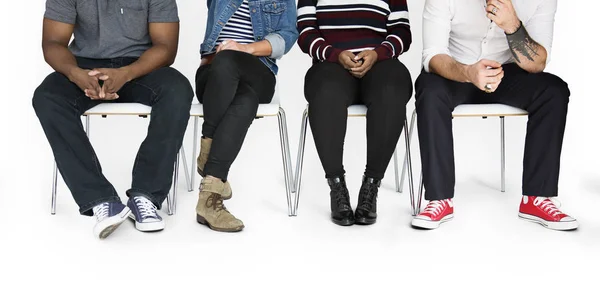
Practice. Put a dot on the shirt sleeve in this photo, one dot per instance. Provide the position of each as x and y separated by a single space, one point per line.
399 36
310 39
437 22
64 11
163 11
541 26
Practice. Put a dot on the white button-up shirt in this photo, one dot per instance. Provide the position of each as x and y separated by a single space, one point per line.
460 29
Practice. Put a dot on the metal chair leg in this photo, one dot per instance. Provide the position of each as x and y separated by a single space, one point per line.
420 196
502 156
285 155
300 159
409 163
186 169
194 153
87 126
172 204
54 183
405 162
396 175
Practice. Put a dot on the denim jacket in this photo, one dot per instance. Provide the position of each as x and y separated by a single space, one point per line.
272 20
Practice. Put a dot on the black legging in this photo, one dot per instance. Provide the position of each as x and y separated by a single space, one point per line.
330 90
231 88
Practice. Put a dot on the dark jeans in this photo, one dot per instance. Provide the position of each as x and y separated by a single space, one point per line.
231 88
544 96
330 90
59 105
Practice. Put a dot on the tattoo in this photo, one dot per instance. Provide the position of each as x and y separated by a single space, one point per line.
520 42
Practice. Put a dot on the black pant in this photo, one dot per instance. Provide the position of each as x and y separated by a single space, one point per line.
330 90
231 88
59 105
544 96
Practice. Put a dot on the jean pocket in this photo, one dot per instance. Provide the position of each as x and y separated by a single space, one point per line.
133 18
273 12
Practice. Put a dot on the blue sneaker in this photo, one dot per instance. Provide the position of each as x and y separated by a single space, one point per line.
144 214
109 216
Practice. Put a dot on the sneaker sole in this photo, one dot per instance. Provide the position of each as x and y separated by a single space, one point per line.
430 224
561 226
148 226
203 221
109 225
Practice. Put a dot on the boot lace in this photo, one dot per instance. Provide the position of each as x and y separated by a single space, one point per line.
368 199
215 201
342 198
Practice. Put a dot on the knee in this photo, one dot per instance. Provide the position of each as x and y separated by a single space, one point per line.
430 92
44 98
175 87
556 88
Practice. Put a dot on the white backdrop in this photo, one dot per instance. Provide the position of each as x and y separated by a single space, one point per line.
484 246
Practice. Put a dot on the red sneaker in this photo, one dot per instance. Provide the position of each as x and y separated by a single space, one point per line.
543 210
436 212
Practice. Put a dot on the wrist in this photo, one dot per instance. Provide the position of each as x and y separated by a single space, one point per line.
72 71
466 71
514 28
250 49
128 73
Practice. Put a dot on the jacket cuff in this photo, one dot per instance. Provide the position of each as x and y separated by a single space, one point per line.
277 45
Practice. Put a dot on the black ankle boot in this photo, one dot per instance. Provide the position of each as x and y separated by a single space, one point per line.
366 211
341 211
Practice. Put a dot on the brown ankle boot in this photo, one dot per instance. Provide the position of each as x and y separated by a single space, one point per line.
205 144
210 209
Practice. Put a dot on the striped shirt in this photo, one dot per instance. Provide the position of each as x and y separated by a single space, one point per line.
328 27
238 28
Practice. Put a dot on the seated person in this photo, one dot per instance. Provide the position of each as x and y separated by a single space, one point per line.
121 53
236 74
492 51
354 47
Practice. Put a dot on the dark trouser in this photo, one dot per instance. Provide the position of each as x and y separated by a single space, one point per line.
59 105
330 90
231 88
543 95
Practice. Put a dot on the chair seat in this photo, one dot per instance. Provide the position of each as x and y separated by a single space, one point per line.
357 111
487 110
264 110
124 109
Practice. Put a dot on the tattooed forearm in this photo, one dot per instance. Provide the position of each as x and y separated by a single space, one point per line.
521 43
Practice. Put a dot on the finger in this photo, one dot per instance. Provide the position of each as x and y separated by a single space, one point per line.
94 73
492 17
490 63
492 72
349 63
360 55
103 77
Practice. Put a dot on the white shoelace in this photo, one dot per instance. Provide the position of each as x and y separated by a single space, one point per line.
549 206
146 207
101 211
435 207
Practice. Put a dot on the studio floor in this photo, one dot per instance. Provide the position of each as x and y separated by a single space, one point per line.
485 245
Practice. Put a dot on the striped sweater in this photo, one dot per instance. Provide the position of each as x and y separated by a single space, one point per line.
328 27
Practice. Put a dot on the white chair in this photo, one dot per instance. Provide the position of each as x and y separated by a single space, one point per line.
475 110
126 109
264 110
353 111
